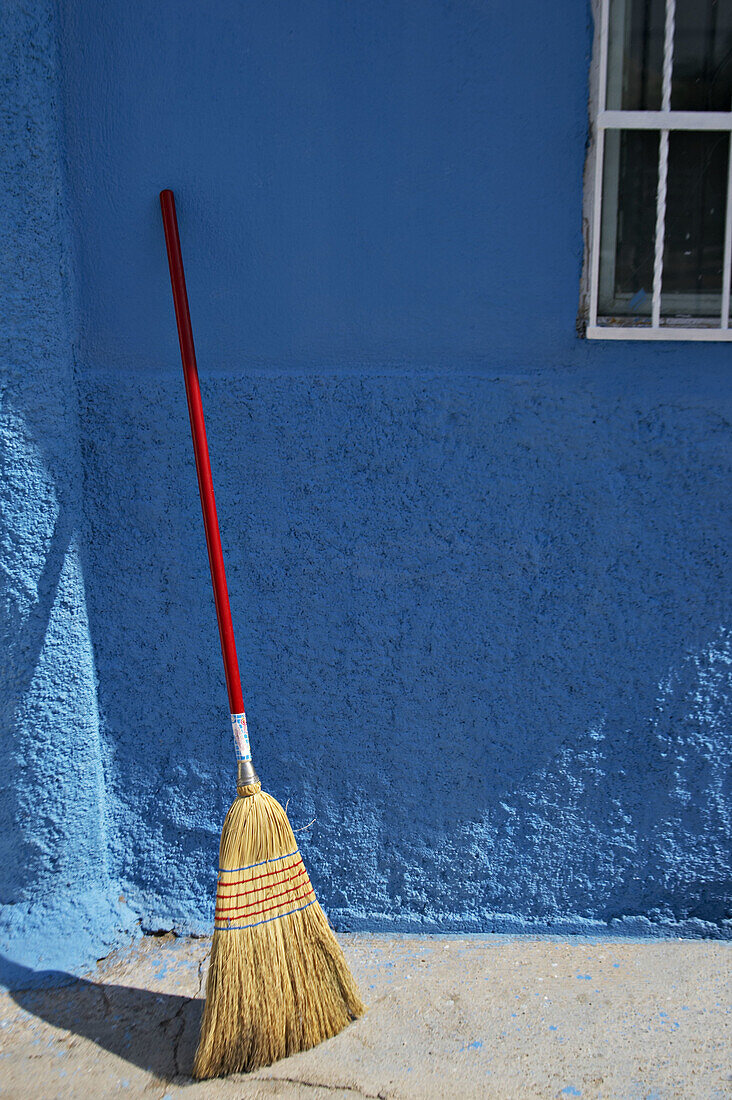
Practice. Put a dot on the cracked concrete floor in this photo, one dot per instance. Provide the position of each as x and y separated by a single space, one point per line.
452 1016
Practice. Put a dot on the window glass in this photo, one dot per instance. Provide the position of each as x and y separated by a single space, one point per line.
696 201
628 223
702 72
635 55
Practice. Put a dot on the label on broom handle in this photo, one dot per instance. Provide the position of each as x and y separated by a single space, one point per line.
241 736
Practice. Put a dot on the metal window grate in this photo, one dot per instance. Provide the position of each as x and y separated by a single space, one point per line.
664 121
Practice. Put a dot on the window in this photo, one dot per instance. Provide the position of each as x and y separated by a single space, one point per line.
659 186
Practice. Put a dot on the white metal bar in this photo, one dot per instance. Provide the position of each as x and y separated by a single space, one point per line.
618 332
668 63
596 225
599 164
664 120
660 226
668 54
602 74
727 243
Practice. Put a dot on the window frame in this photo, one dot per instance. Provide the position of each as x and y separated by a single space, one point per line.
662 122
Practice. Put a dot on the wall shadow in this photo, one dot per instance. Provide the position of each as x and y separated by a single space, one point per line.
156 1031
23 636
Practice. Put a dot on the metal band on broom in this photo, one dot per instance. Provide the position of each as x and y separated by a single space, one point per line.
277 980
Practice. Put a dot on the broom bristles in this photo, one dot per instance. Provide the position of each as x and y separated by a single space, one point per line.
277 982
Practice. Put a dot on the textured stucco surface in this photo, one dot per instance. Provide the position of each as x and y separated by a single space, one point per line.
54 873
479 568
481 623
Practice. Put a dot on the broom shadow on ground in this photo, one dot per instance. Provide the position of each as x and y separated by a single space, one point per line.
156 1031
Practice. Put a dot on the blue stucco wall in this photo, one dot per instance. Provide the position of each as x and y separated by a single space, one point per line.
478 567
58 903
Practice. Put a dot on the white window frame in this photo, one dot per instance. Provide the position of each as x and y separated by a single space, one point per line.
665 120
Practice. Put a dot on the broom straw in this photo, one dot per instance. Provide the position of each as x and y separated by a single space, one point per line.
277 980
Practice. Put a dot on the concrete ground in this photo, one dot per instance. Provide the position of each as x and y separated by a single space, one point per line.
447 1017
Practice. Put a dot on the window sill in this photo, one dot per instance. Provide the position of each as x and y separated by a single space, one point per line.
663 332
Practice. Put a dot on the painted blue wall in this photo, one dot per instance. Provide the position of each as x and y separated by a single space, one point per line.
479 567
58 903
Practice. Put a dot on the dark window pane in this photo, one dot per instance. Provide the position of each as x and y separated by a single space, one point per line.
702 73
635 55
628 223
696 201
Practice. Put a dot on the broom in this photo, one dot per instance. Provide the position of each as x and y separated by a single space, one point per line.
277 981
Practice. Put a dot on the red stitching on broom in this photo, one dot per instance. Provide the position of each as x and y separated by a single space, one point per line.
271 907
243 893
267 874
278 916
249 904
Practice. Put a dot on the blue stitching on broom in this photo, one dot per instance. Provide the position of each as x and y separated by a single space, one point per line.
230 870
241 927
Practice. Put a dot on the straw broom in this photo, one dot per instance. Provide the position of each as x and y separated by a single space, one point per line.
277 980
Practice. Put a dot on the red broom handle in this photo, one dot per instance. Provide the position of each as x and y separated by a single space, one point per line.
200 448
